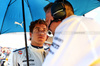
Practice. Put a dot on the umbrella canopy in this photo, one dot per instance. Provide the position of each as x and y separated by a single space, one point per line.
11 18
81 7
11 14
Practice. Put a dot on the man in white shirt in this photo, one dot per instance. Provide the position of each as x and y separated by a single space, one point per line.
76 40
36 52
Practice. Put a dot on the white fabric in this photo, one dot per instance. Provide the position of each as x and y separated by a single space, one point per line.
76 43
36 57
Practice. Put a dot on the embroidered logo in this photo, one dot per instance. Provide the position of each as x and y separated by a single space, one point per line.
20 52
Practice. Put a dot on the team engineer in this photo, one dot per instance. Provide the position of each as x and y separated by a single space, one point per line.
76 40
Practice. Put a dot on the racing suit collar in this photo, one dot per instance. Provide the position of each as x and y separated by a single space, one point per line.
37 47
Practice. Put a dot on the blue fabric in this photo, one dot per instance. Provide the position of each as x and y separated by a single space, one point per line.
83 6
11 12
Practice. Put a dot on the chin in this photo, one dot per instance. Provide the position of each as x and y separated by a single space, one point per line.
41 41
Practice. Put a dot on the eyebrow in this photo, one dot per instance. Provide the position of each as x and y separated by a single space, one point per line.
39 27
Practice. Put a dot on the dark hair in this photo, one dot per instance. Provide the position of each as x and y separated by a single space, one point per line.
48 6
33 23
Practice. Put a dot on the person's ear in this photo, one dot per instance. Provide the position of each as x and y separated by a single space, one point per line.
30 35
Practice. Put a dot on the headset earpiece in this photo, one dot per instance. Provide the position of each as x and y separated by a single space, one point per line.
58 11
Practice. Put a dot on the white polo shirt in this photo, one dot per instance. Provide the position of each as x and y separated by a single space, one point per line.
76 43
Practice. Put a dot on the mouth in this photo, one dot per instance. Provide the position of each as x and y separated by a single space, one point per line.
41 37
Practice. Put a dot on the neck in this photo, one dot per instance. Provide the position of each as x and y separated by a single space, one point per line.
35 43
36 46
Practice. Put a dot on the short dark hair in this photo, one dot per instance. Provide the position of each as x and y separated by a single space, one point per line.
33 23
48 6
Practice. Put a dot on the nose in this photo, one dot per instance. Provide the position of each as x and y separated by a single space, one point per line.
42 31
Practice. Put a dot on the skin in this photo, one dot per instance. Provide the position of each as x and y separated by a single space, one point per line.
49 18
53 26
39 35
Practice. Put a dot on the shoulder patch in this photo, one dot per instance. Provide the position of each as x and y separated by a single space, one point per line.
20 49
